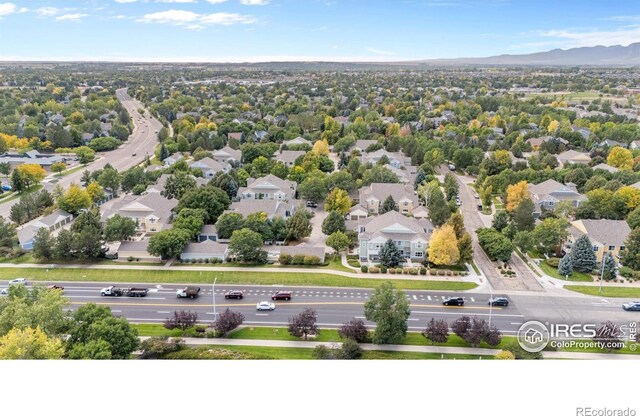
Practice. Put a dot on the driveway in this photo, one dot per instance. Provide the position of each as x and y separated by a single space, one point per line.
317 238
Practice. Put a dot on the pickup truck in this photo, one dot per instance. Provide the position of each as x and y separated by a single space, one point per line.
133 292
190 292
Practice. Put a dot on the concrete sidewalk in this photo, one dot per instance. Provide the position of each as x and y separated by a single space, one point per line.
403 348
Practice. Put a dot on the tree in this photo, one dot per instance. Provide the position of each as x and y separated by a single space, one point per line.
633 219
101 144
338 200
313 189
58 167
461 326
164 152
332 223
7 233
30 344
304 324
439 211
620 158
228 223
465 248
355 329
443 247
92 350
523 215
246 246
388 205
390 254
496 245
5 168
177 184
95 191
389 309
159 347
212 200
631 255
168 243
17 184
524 241
500 220
583 259
420 177
85 154
338 241
504 355
457 222
37 307
118 228
299 225
227 321
110 179
565 267
550 233
181 320
610 269
43 244
451 186
437 331
320 147
31 173
74 200
190 220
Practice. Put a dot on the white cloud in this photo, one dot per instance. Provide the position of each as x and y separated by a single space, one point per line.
216 1
195 21
125 1
47 11
176 1
623 18
7 8
379 51
569 38
73 16
254 2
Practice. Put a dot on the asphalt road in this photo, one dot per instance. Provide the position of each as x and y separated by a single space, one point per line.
141 142
338 305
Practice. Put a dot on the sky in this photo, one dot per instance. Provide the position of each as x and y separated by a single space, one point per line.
305 30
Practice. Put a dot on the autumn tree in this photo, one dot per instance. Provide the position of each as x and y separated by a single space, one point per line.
30 344
320 147
95 191
620 158
58 167
74 199
227 321
31 174
516 193
355 329
443 246
338 200
437 331
304 324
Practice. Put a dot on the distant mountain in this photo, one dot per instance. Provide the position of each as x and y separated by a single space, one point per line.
594 55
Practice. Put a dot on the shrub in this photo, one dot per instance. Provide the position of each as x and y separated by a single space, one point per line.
284 258
199 261
355 329
413 272
440 272
364 268
423 271
321 352
298 259
130 258
553 261
157 347
206 260
311 260
392 271
374 269
505 355
228 321
433 272
625 271
350 350
383 269
181 320
398 270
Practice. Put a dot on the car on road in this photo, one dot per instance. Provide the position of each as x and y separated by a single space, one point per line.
18 281
55 287
134 154
265 306
190 292
234 294
281 295
312 204
631 306
6 187
498 302
453 301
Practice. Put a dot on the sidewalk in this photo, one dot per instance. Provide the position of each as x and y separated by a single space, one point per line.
404 348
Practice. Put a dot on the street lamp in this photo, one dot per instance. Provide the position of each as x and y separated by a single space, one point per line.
602 272
214 299
490 302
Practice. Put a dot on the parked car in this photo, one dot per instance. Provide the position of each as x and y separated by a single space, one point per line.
280 295
234 294
312 204
6 187
498 302
265 306
452 166
631 306
453 302
18 281
190 292
55 287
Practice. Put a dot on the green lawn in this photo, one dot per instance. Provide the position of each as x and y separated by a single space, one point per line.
334 263
11 196
70 171
607 291
475 268
250 277
575 277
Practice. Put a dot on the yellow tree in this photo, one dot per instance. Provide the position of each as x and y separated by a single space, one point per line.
516 193
443 246
393 129
620 158
502 157
553 126
338 200
630 195
321 147
74 199
30 344
31 173
95 191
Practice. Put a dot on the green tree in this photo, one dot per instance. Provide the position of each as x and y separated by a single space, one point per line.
17 184
420 177
168 243
37 307
118 228
43 244
390 254
246 246
610 269
583 259
30 344
631 255
85 154
465 248
190 220
389 309
92 350
496 245
228 223
633 219
299 225
258 222
451 186
333 222
457 222
550 233
110 179
524 241
500 220
338 241
313 189
211 199
388 205
177 184
8 233
565 267
523 215
439 211
58 167
5 168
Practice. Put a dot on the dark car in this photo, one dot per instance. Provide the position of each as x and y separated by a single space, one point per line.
281 296
234 294
453 302
631 306
498 302
55 287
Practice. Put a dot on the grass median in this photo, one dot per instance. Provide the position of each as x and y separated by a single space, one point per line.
263 277
607 291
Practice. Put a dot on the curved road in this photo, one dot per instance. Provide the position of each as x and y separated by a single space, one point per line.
141 142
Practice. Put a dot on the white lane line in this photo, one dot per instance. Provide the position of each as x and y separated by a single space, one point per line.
413 319
429 297
516 323
360 317
462 312
116 311
415 297
472 300
211 313
163 311
262 314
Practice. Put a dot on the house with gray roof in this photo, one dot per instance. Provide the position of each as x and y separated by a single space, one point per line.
52 222
607 236
410 235
572 156
362 145
208 232
205 250
548 194
268 187
274 208
288 157
210 167
152 212
373 196
396 159
135 250
171 160
227 155
604 166
298 141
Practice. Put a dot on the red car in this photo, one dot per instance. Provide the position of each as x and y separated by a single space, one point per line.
281 296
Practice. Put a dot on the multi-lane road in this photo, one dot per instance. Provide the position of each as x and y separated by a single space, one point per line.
141 143
338 305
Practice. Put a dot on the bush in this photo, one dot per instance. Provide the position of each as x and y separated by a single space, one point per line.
355 329
322 353
298 259
383 269
311 260
130 258
284 258
440 272
398 270
353 263
413 272
392 271
423 271
350 350
157 347
181 320
374 269
364 268
553 262
228 321
206 260
625 271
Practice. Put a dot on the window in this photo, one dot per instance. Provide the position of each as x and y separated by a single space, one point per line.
595 248
611 248
418 254
621 248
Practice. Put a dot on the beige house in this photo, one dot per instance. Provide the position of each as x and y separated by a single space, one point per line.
548 194
151 212
571 156
268 187
372 197
607 236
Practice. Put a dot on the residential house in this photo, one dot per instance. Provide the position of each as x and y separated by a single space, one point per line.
536 142
548 194
636 185
288 157
173 159
634 145
259 135
272 207
584 132
235 135
208 232
604 166
572 156
298 141
228 155
607 236
52 222
396 160
31 157
362 145
152 212
373 196
268 187
205 250
410 235
137 250
210 167
357 212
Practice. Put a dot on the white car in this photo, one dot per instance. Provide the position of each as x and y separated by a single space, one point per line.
265 306
18 281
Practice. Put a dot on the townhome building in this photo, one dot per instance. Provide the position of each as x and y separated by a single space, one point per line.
268 187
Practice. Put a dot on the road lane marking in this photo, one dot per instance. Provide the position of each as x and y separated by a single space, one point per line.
472 300
475 314
429 297
163 311
262 314
415 297
413 319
